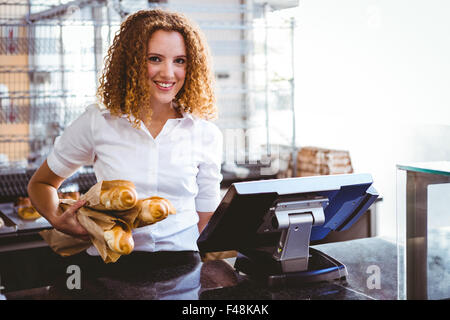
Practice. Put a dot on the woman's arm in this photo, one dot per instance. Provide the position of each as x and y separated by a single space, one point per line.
203 220
42 190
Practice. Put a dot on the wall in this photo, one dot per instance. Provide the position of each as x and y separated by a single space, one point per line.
373 77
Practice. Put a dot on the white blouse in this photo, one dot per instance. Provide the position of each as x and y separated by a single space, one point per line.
182 164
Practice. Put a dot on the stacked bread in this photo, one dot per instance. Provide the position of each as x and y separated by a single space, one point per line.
313 161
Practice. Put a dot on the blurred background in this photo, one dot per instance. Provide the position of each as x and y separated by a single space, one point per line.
304 87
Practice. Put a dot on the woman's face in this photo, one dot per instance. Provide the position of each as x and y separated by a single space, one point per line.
166 65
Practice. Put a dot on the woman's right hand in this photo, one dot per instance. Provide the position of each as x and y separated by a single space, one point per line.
68 223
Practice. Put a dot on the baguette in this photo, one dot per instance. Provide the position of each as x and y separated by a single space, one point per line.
114 195
119 239
152 210
25 209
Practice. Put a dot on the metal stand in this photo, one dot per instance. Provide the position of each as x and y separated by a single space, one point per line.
291 261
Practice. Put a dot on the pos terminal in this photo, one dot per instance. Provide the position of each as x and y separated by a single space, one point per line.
271 223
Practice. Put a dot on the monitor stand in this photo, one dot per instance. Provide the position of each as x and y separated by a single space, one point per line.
259 265
291 261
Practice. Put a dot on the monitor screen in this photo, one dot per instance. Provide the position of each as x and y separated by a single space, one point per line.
243 211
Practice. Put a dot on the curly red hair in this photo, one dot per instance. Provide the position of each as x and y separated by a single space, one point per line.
124 86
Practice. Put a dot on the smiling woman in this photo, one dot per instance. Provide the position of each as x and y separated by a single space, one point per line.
158 39
150 126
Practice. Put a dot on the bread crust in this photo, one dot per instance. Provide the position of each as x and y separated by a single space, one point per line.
152 210
119 239
118 195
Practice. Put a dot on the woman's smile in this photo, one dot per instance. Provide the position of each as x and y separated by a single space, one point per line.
164 85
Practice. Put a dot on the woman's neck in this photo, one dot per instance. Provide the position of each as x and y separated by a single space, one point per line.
160 113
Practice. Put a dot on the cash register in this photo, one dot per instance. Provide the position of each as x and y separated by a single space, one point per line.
271 223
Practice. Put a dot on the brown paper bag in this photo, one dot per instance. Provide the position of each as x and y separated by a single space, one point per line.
63 244
95 222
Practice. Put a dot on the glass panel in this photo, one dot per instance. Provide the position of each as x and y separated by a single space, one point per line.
401 234
438 241
423 231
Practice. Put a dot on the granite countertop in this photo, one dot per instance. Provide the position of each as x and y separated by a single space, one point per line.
362 257
188 278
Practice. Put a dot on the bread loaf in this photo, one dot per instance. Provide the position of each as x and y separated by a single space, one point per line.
25 209
152 210
118 195
119 239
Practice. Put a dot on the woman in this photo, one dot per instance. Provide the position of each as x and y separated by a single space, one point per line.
150 127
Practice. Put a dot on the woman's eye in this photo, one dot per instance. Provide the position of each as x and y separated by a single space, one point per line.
154 59
180 61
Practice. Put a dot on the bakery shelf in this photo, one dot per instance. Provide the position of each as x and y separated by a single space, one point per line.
45 51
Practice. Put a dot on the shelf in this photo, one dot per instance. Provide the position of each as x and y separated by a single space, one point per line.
38 62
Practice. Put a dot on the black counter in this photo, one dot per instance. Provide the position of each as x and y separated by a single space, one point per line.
39 274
